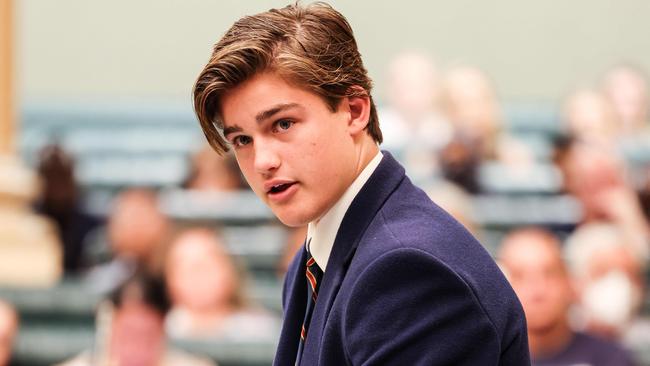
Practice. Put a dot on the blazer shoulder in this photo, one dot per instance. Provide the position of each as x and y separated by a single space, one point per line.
408 261
409 222
408 301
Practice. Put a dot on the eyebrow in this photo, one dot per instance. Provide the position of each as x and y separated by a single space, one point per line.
231 129
260 117
273 110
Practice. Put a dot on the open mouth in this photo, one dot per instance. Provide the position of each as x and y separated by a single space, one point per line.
280 188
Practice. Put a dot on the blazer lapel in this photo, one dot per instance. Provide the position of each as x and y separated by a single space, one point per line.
294 304
383 181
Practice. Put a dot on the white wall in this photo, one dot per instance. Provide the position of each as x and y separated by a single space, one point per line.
111 49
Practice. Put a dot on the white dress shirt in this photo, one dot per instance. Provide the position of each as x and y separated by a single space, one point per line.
322 233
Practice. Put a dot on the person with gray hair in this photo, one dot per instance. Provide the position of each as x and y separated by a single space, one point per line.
609 280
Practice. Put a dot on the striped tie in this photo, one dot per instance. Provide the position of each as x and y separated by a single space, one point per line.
314 276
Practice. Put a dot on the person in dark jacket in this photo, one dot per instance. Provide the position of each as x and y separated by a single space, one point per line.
386 277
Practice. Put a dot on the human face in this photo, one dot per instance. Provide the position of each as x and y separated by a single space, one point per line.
200 275
136 226
296 154
539 278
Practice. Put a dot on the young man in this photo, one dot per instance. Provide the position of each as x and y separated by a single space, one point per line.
386 277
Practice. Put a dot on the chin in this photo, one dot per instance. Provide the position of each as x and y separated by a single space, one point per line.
291 221
292 218
542 326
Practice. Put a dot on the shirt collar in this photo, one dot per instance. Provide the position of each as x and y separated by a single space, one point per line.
322 233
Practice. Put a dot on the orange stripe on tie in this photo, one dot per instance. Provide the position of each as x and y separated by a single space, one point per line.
312 280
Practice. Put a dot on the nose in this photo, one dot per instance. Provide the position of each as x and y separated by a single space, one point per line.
267 158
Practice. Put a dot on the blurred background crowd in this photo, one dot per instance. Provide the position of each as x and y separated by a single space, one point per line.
125 238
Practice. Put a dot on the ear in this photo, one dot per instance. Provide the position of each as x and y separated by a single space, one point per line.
359 107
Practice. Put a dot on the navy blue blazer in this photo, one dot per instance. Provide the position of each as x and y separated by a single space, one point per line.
405 284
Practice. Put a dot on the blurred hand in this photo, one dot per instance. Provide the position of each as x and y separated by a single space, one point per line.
620 206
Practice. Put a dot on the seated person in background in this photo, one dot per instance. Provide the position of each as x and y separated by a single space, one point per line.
211 172
413 126
137 231
206 292
610 281
30 251
471 105
626 87
460 162
60 200
532 261
135 333
8 331
596 177
589 117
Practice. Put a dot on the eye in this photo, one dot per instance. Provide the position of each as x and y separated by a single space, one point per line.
282 125
241 140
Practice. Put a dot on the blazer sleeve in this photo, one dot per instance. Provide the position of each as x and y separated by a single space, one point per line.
408 308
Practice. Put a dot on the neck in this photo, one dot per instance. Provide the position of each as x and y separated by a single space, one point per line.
365 152
549 340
